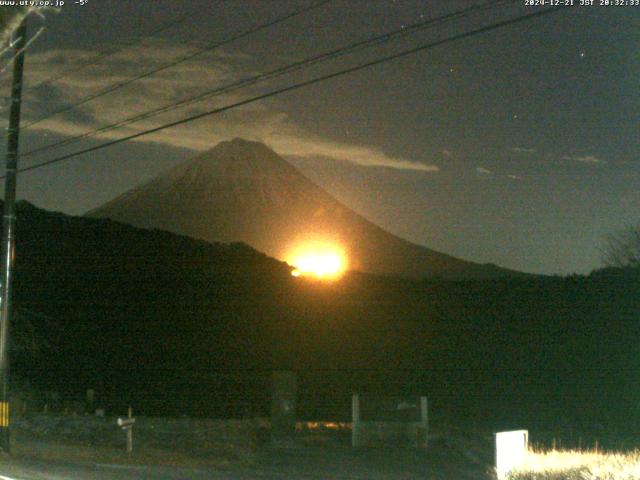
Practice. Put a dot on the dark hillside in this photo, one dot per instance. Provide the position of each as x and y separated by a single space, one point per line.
175 325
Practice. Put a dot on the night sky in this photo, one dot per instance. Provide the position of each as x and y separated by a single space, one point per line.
519 146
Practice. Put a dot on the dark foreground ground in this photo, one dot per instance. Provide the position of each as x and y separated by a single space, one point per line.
314 454
294 463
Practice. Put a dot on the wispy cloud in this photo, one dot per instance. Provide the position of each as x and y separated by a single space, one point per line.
10 19
589 159
523 150
483 171
592 159
308 146
264 121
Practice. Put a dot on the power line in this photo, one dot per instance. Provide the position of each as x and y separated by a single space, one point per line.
180 60
299 85
108 52
28 44
332 54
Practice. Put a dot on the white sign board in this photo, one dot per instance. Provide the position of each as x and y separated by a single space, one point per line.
511 449
126 422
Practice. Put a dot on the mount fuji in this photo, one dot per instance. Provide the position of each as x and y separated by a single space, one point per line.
243 191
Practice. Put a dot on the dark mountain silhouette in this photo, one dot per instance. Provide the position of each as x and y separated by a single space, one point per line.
175 326
243 191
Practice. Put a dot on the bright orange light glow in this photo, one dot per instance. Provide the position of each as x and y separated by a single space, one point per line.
324 262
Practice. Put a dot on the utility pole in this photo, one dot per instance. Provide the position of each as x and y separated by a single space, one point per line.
19 42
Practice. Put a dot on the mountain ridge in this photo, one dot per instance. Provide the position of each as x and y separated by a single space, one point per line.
242 190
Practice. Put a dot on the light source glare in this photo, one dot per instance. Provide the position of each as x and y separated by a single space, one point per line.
325 263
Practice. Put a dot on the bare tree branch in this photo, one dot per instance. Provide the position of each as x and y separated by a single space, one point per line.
622 249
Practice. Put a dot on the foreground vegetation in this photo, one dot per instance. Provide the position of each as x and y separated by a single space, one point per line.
174 326
579 465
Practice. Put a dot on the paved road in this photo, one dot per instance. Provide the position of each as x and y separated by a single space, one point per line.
39 470
271 464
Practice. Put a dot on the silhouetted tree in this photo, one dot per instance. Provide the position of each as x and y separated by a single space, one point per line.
622 249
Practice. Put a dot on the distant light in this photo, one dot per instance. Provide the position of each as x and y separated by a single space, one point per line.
320 260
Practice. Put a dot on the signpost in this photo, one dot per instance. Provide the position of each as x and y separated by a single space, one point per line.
379 420
511 450
127 425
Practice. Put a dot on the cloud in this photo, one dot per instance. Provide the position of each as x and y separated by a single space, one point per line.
523 150
10 19
264 121
483 171
588 159
584 159
306 146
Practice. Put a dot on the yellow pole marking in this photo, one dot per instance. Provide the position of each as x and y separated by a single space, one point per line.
4 414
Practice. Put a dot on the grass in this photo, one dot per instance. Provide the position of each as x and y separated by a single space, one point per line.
578 465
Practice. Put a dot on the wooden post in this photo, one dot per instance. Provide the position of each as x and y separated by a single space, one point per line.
424 419
130 433
355 420
283 407
127 425
89 398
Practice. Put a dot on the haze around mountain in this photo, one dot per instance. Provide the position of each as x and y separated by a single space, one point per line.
243 191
